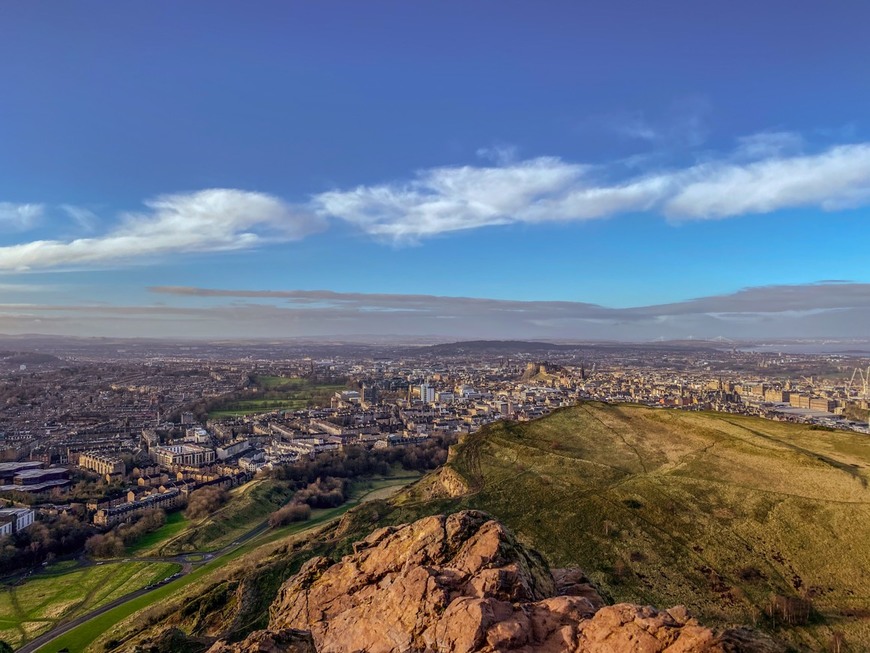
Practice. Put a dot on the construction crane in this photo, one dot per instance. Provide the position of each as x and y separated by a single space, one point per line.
864 377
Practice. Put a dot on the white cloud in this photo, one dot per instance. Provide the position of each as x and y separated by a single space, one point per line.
765 173
25 288
769 144
451 199
499 154
208 220
85 218
634 125
20 216
757 178
836 178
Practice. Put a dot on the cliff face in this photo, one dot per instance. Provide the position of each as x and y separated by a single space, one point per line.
463 584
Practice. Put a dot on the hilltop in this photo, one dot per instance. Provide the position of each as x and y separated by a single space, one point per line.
718 512
746 522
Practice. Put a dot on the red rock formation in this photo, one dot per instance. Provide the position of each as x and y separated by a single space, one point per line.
463 584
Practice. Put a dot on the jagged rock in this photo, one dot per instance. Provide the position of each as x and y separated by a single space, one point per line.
462 583
171 640
266 641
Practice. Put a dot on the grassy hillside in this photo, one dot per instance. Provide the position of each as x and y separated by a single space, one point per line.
227 594
249 505
55 595
714 511
718 512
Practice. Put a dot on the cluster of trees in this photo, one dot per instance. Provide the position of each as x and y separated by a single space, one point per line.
325 492
356 462
42 541
91 486
113 543
290 513
205 501
323 482
790 610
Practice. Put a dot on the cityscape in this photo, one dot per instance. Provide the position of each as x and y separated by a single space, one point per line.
434 327
163 426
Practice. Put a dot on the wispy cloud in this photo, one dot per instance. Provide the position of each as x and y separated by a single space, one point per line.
764 173
86 219
208 220
822 295
683 124
26 288
452 199
500 154
768 144
634 125
19 217
835 179
810 310
757 178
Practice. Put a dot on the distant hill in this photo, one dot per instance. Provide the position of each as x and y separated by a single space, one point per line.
541 371
538 348
493 347
27 358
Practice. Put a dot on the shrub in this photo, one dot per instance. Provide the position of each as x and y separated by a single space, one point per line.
290 513
205 501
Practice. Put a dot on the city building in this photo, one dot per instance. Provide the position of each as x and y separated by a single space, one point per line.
108 517
185 455
103 464
13 520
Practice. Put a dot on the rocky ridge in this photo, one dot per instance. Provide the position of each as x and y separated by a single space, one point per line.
463 583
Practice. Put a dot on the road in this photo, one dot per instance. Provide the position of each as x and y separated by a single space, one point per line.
187 567
57 631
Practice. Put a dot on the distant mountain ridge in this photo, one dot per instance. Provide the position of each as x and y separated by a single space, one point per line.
27 358
494 347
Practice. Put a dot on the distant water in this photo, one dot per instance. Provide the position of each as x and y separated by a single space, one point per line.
857 349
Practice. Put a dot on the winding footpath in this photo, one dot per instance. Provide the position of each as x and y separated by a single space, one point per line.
205 558
186 567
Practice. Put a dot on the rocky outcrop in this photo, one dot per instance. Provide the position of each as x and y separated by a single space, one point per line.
462 583
266 641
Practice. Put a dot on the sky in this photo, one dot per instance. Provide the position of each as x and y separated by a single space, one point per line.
561 170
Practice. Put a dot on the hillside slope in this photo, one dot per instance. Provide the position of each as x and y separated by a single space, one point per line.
718 512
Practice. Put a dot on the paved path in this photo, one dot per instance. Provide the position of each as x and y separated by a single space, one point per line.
187 567
57 631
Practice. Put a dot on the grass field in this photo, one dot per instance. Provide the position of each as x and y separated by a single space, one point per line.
272 382
249 505
30 609
93 634
145 545
713 511
284 393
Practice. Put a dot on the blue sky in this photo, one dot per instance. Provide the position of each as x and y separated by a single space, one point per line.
615 155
